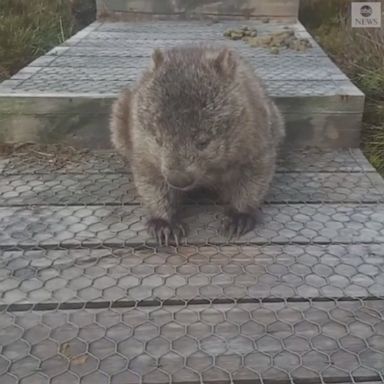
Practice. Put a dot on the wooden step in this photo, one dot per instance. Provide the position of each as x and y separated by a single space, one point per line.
130 9
66 95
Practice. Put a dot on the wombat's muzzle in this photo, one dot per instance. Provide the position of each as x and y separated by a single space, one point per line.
180 180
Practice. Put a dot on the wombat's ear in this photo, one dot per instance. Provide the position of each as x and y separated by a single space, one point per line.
157 58
224 62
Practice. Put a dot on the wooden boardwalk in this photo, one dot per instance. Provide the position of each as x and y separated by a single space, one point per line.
87 297
65 96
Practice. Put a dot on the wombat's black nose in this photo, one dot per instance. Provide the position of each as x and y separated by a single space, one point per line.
180 180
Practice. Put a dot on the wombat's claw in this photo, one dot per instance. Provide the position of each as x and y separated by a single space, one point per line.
238 224
162 230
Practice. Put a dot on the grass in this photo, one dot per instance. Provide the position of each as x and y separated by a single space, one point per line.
29 28
360 54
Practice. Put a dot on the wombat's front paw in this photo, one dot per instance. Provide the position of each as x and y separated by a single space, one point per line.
163 231
238 224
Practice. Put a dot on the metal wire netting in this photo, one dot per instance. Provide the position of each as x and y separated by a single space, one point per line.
86 296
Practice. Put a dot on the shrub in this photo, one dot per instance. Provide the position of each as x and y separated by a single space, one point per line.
360 53
29 28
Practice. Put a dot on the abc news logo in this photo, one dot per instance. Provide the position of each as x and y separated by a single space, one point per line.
366 15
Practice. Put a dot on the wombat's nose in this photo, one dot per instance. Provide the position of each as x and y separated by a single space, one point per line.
180 180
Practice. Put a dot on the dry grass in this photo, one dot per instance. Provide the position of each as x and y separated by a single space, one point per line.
360 53
28 28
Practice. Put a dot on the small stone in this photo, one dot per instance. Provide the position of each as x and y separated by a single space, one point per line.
274 41
291 44
265 20
250 32
306 43
253 41
235 35
267 41
299 48
214 20
275 51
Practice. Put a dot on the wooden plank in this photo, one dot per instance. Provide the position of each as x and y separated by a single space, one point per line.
352 101
118 189
310 160
241 343
90 130
42 103
191 274
126 225
87 130
78 119
328 130
244 8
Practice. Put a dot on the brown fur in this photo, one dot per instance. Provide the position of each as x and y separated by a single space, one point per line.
120 123
199 116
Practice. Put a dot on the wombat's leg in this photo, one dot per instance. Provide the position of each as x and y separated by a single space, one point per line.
245 195
120 124
161 203
238 223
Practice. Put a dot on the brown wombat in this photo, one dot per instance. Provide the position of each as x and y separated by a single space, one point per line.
198 117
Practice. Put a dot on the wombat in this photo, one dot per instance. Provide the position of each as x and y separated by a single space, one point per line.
198 117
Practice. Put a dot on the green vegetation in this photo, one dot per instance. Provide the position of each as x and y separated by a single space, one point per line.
29 28
360 54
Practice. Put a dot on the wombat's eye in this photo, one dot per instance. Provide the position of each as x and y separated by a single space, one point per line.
201 144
